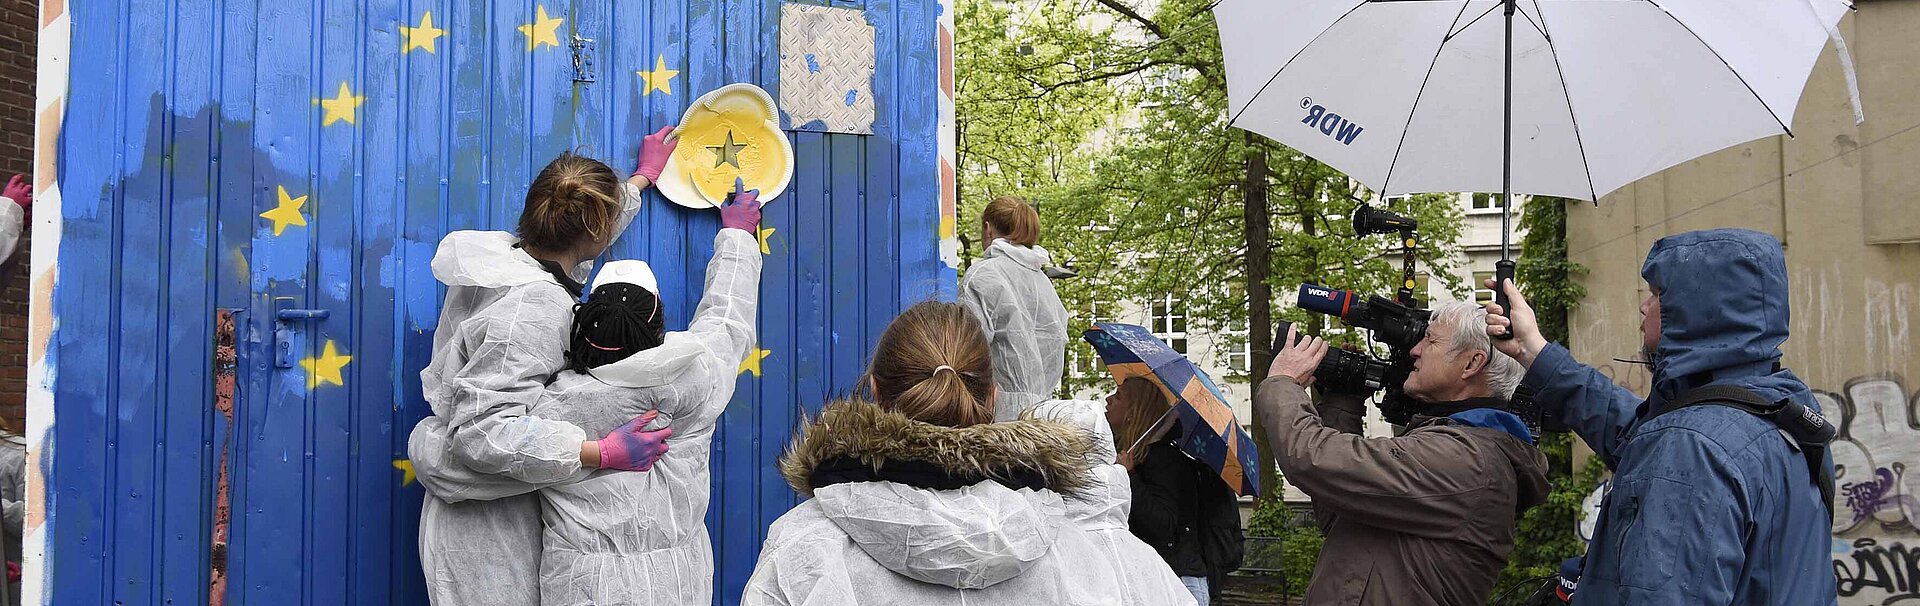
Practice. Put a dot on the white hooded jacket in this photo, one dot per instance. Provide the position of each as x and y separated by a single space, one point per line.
1024 320
904 513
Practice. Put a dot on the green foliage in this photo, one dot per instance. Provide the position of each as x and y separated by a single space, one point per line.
1299 546
1547 535
1544 268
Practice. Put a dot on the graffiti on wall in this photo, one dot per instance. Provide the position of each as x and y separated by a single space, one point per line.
1876 546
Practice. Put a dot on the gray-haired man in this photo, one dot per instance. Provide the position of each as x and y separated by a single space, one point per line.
1425 517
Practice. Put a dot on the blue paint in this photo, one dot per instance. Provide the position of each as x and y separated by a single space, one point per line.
852 95
186 146
813 66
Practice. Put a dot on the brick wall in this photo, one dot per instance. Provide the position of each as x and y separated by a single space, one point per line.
18 28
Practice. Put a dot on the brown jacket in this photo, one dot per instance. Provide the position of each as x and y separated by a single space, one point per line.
1424 518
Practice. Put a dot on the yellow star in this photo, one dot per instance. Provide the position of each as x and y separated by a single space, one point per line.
660 78
752 363
406 471
286 213
543 30
766 234
341 107
421 36
326 368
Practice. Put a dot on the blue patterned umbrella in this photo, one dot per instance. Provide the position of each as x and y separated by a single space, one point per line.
1208 430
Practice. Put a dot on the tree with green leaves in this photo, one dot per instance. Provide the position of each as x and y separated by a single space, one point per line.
1546 534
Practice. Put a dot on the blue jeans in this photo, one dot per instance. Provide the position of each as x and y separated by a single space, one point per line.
1198 586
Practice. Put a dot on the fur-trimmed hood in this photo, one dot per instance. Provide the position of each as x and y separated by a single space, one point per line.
967 508
1013 453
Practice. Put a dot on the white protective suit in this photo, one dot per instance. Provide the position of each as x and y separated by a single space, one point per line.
502 335
12 223
870 536
1024 320
1101 509
641 538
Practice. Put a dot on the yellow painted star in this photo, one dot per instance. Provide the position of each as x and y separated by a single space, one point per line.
766 235
326 368
406 471
421 36
752 363
287 212
659 78
543 30
344 106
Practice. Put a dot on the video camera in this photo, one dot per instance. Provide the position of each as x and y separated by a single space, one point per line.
1398 326
1399 323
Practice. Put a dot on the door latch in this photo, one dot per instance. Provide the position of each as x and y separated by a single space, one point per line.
284 316
582 58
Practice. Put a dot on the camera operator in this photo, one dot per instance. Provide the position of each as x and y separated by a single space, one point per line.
1712 504
1426 517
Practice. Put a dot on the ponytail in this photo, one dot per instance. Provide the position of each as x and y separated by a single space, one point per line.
932 365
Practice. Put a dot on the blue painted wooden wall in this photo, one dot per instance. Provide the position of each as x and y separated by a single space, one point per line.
186 119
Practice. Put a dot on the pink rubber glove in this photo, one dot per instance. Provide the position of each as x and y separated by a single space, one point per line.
653 153
632 448
742 210
21 191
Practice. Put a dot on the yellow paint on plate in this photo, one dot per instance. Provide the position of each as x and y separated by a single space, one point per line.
731 132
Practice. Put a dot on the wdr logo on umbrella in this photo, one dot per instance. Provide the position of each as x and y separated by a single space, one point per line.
1329 123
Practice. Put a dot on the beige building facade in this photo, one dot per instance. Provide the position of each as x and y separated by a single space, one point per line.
1844 198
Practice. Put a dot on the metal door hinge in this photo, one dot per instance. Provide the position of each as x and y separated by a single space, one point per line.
582 58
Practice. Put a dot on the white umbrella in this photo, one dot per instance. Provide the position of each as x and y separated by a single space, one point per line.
1571 98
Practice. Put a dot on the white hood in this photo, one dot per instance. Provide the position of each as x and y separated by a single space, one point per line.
486 259
1033 257
968 538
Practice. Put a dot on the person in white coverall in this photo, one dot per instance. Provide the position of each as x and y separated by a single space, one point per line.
641 538
1102 509
1008 290
502 336
919 498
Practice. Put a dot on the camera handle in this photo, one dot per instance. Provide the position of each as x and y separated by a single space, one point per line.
1502 272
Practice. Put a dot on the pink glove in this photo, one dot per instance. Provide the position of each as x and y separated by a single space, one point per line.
742 210
21 191
632 448
653 153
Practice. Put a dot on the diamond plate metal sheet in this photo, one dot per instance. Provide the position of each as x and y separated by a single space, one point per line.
826 69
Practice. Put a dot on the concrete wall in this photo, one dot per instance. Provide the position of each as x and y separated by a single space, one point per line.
1843 199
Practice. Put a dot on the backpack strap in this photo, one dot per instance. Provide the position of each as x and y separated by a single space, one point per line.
1804 428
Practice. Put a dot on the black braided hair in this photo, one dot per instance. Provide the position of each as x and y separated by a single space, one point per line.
618 320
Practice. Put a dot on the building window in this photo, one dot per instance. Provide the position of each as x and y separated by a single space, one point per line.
1482 294
1240 357
1488 202
1168 320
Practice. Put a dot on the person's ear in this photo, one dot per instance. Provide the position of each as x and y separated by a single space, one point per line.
993 395
1476 362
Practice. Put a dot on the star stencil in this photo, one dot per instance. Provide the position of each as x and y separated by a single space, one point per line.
343 106
752 363
421 36
543 30
287 212
326 368
727 153
659 78
766 235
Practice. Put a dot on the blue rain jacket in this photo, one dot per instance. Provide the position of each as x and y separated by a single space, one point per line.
1710 505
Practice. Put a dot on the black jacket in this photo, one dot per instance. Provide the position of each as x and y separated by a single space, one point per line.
1183 509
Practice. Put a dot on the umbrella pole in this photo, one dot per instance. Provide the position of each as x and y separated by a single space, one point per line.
1503 269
